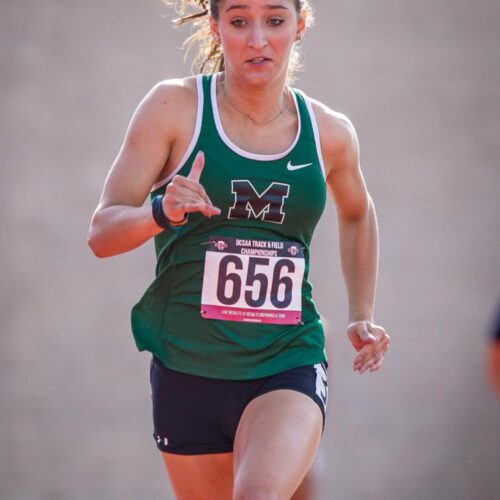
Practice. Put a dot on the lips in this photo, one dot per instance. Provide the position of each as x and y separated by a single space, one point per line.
258 60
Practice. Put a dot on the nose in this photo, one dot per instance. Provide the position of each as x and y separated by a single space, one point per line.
258 37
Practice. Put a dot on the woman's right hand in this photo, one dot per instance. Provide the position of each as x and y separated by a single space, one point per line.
184 195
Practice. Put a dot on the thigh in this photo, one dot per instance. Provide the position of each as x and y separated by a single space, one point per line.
275 444
309 489
200 477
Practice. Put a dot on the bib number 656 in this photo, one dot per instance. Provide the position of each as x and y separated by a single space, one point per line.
272 282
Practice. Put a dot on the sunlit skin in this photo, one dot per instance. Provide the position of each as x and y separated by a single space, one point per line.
272 454
494 366
257 37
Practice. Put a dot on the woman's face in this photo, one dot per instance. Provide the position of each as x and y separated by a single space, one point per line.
257 37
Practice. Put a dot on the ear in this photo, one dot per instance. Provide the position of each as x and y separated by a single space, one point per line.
301 25
214 29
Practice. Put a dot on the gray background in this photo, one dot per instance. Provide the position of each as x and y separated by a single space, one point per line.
421 82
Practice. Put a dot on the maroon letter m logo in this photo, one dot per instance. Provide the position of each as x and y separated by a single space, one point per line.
267 206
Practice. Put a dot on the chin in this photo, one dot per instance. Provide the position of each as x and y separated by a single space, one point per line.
261 77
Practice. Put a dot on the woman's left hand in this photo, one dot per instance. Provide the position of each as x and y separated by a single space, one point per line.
371 342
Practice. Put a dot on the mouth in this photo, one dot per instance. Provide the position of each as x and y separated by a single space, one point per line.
258 60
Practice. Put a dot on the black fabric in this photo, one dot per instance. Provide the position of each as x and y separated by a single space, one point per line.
195 415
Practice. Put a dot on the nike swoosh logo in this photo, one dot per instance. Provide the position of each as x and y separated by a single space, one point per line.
297 167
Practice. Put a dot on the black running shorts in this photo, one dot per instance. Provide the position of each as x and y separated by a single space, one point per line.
195 415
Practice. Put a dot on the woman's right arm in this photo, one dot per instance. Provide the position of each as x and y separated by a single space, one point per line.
121 221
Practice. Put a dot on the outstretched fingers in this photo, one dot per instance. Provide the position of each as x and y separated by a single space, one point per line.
186 194
197 167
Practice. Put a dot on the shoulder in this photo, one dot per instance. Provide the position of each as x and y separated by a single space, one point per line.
339 141
169 96
170 92
168 108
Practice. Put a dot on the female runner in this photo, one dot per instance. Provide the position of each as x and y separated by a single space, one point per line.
238 165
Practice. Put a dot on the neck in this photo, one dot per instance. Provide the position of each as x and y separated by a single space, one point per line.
258 104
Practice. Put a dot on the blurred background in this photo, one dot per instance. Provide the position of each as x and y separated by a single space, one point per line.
420 81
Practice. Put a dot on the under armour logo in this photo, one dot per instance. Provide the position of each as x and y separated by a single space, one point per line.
159 439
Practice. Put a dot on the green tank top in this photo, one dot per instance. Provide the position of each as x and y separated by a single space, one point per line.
231 298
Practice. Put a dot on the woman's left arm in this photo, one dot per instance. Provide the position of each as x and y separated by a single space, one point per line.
358 237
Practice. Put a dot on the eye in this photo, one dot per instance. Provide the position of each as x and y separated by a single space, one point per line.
275 21
238 22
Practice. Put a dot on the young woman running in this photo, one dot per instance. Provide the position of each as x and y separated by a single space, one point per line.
238 165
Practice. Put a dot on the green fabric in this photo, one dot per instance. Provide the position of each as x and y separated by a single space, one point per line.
167 320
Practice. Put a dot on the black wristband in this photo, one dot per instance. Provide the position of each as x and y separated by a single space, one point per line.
159 215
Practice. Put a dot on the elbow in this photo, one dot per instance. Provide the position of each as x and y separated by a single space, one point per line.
95 241
363 218
357 211
95 247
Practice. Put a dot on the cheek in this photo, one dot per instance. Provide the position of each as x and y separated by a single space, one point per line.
284 43
284 38
233 41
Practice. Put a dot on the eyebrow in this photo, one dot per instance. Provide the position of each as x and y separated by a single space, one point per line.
246 7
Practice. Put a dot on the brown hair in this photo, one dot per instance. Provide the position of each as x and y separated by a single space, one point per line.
210 56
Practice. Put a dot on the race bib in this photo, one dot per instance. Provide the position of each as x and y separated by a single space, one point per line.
256 281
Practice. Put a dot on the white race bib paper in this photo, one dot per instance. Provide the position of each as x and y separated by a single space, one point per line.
250 280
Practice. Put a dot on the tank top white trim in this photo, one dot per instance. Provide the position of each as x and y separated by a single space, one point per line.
230 144
315 127
194 138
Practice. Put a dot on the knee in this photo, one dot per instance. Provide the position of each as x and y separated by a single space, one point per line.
255 492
